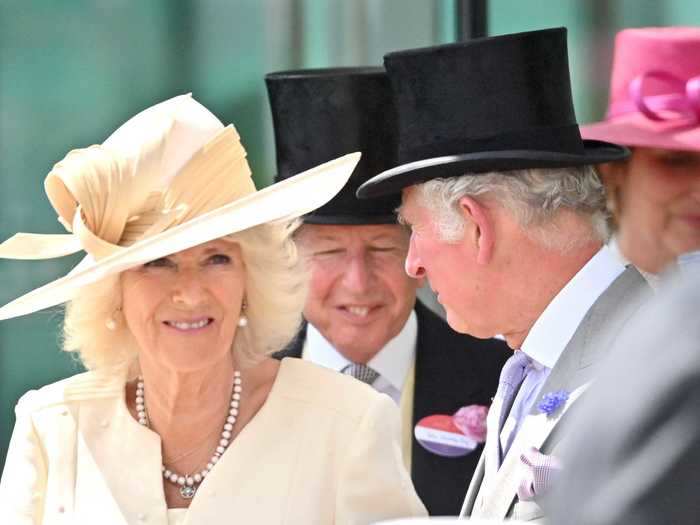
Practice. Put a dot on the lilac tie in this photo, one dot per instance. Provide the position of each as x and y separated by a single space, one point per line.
362 372
512 376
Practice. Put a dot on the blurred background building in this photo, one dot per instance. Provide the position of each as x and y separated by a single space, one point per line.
72 71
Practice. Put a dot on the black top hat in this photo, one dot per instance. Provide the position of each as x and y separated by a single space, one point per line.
320 114
490 104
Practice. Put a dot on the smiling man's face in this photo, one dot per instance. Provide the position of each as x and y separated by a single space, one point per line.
359 296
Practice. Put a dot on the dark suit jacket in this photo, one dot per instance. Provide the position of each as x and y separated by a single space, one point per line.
452 370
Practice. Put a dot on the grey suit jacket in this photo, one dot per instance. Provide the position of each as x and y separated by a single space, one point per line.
635 452
578 365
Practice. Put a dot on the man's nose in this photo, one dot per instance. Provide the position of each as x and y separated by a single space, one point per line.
414 266
358 274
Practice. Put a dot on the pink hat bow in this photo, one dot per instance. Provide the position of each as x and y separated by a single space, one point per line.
682 98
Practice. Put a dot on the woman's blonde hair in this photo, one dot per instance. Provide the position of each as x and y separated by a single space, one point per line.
275 291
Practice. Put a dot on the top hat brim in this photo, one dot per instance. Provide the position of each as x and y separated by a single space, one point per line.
285 200
405 175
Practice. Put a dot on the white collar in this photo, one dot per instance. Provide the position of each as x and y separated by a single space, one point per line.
392 362
614 247
555 327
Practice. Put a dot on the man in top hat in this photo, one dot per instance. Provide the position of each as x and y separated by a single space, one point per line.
508 225
362 317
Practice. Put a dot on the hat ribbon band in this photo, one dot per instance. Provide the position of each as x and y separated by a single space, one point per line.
682 98
562 139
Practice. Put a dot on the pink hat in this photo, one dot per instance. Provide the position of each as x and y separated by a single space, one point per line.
654 90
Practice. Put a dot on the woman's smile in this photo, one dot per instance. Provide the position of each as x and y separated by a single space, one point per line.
194 325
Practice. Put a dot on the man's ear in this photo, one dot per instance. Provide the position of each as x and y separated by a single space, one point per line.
479 228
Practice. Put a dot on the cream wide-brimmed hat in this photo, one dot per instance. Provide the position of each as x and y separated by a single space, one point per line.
170 178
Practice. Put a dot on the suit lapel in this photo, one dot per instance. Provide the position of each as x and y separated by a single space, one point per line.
107 434
579 362
474 486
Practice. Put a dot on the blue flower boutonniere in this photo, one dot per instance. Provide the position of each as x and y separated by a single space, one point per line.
552 401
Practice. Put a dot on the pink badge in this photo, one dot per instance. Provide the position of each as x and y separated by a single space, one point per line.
439 435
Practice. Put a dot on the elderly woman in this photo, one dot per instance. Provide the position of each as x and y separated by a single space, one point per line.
191 280
654 108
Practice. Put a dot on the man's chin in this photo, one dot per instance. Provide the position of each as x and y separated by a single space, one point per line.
460 326
456 323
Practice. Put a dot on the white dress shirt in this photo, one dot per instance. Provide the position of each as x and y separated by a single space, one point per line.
392 362
554 329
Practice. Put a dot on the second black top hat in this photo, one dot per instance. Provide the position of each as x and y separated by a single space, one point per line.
321 114
491 104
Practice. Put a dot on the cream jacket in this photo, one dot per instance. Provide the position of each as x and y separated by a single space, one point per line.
323 449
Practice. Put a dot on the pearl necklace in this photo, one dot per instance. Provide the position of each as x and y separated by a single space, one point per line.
190 483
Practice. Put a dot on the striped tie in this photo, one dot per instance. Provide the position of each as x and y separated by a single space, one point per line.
361 372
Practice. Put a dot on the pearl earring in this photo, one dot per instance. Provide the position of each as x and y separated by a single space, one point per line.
111 322
243 319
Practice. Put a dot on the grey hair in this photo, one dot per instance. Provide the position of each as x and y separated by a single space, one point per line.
534 197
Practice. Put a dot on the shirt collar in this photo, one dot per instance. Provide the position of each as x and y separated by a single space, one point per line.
556 325
392 362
